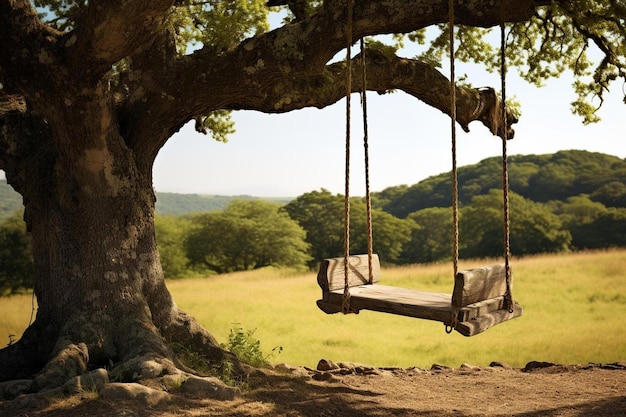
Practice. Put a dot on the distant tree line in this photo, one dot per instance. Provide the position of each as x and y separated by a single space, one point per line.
248 234
409 224
16 258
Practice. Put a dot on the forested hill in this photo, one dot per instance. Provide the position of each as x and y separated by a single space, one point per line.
176 204
540 178
167 203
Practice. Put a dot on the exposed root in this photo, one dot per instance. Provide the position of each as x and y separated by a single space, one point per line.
148 366
186 331
128 351
69 361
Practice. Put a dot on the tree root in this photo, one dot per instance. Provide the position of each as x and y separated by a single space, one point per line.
70 360
146 356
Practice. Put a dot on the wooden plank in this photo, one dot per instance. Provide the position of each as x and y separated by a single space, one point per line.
331 273
393 300
484 322
481 308
406 302
479 284
473 319
328 308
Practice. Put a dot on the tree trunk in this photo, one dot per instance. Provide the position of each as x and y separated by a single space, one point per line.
102 299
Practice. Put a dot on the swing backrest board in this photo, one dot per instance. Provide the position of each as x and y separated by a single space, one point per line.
478 284
331 274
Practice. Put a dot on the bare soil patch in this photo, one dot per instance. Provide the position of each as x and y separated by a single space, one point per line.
538 390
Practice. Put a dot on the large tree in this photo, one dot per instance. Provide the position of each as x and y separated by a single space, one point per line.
91 90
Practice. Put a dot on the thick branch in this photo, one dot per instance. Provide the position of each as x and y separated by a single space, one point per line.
306 47
22 38
110 31
18 20
261 72
386 72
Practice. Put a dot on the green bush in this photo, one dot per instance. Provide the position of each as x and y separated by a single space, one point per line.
16 258
247 347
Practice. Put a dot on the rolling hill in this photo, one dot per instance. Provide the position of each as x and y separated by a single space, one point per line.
540 178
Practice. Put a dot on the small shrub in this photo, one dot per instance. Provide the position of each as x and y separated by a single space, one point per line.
192 359
247 347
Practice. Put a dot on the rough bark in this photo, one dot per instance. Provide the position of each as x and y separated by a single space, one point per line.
80 153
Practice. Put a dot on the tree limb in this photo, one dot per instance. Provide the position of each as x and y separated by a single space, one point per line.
111 31
22 36
287 68
18 20
385 72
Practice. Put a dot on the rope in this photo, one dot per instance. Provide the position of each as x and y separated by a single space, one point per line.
368 199
455 181
508 298
345 303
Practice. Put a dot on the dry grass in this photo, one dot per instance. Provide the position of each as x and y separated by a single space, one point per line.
15 314
573 309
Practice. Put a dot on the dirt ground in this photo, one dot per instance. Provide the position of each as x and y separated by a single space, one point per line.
538 390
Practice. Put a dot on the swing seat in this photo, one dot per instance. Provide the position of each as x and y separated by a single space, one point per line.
478 295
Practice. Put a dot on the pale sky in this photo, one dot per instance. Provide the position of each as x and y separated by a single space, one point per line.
290 154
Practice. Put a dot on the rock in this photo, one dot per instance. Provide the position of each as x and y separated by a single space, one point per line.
613 366
468 367
91 381
366 370
326 365
150 369
347 365
284 368
497 364
11 389
438 367
133 391
146 367
413 370
209 388
537 365
325 376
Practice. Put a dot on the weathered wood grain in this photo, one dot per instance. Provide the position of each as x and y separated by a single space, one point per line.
477 284
331 273
395 300
480 308
484 322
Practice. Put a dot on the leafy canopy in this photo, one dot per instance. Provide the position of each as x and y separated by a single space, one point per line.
584 37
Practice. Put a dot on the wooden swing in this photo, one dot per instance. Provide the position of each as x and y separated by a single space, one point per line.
481 297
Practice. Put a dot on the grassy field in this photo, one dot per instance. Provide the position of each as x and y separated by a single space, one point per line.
574 307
